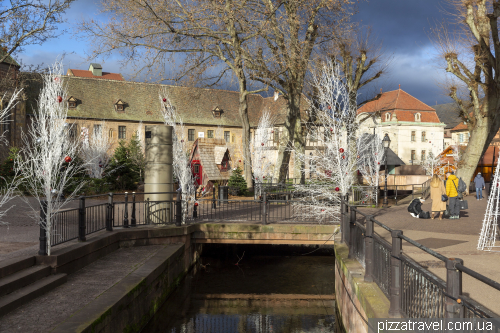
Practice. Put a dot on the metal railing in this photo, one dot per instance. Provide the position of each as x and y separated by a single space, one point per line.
412 290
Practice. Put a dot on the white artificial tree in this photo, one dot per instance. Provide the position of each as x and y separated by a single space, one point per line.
46 149
335 157
180 147
489 231
371 157
96 151
262 156
432 164
8 188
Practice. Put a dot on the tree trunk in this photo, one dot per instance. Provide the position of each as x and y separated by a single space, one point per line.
300 151
293 113
475 149
245 135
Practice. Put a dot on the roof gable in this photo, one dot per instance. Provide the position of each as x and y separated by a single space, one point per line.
395 100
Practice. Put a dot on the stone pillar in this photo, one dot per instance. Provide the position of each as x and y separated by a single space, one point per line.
158 174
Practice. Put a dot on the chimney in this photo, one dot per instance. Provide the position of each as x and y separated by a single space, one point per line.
96 69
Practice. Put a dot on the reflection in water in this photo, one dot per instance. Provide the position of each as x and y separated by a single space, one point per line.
260 294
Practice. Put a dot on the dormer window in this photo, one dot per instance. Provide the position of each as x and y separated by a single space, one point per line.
417 116
217 112
387 116
72 102
119 106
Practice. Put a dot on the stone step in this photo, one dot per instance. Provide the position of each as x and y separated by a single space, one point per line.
23 278
30 292
11 266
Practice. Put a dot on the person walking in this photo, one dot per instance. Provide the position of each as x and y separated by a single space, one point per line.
452 193
480 186
437 191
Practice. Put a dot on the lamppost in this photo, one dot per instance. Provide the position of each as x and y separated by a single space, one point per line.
386 141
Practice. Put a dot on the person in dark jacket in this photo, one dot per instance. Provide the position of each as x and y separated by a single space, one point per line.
480 186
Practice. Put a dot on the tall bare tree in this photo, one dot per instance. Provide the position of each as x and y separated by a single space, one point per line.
209 32
280 58
472 55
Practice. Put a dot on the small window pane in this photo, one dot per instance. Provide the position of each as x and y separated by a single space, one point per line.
424 137
413 155
210 134
413 139
227 136
422 157
122 134
190 134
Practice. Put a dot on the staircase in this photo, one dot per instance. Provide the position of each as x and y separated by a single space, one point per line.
22 281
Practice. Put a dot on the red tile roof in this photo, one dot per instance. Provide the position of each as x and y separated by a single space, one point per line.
403 105
460 127
105 75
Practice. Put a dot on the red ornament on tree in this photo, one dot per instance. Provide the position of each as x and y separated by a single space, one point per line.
59 99
331 129
262 144
56 79
263 177
341 150
196 204
329 107
182 140
164 100
337 189
67 159
239 161
378 162
322 210
343 157
272 131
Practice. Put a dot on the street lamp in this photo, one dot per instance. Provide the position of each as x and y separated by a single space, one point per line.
386 142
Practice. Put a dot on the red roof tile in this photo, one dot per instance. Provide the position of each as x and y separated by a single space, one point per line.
105 75
396 99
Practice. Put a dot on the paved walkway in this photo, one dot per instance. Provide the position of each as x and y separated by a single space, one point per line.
81 288
453 239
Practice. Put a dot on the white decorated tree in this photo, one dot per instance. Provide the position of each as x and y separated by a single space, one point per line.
432 164
96 150
262 156
48 153
180 147
489 231
371 158
335 157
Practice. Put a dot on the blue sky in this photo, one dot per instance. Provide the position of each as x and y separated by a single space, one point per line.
402 25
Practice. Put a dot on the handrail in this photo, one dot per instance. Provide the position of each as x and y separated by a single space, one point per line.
478 276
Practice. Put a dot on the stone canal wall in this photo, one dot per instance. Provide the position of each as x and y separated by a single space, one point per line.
356 300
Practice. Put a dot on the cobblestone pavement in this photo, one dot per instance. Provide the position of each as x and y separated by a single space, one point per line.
83 286
451 238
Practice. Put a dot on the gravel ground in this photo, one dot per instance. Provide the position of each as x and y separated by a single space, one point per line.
63 301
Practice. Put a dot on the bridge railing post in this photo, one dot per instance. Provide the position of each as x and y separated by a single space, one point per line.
81 220
109 213
43 234
132 220
264 208
351 216
178 209
369 249
344 220
454 289
125 215
396 275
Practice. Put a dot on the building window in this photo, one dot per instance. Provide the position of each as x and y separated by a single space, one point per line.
72 131
122 132
227 136
196 168
413 136
276 136
210 134
417 116
313 137
110 133
190 134
233 138
424 138
461 137
422 155
413 155
97 130
387 116
467 136
72 105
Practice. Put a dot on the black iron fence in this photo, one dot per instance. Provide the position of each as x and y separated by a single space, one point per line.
413 291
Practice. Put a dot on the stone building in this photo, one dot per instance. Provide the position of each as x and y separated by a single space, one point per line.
413 127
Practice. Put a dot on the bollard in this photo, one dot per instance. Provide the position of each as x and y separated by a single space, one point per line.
214 204
125 215
81 221
454 289
132 220
178 210
352 235
195 210
344 221
264 208
43 235
369 249
395 287
109 213
146 205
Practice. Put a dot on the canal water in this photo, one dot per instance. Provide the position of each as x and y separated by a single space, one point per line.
253 289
